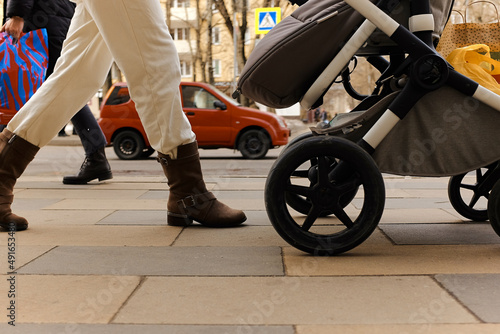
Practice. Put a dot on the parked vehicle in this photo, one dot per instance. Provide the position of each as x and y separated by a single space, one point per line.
217 120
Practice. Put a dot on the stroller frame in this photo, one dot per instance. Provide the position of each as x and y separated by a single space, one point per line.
342 166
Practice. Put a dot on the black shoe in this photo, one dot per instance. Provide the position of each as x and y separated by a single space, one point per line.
95 166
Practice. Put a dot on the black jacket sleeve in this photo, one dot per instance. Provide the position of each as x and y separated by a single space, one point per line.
21 8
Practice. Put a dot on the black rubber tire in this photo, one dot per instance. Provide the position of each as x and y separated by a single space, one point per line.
128 145
494 207
476 209
254 144
357 169
296 140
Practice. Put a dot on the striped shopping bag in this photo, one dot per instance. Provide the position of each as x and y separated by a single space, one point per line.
22 67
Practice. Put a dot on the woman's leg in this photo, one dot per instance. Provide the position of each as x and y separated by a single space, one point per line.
150 63
79 73
88 130
95 165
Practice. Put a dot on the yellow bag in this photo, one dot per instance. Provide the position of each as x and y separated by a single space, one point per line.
474 61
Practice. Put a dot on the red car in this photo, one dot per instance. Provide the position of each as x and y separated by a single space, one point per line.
217 120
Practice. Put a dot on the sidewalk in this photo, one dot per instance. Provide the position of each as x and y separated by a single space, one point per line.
100 259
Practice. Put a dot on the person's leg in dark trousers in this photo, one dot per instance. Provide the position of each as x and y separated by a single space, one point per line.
95 165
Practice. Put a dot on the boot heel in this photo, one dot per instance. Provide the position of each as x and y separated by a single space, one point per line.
175 219
105 176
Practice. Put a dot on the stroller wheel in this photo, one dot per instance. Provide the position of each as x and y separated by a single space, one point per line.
326 172
470 197
494 207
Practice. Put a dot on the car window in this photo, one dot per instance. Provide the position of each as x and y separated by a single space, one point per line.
197 97
118 96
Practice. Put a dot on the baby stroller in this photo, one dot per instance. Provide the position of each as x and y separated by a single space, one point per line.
423 119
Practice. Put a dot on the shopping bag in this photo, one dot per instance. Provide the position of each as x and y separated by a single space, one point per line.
22 67
474 61
464 34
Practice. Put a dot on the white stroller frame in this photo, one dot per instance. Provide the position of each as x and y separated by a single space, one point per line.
430 72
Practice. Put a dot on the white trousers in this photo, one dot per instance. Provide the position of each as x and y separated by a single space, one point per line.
135 35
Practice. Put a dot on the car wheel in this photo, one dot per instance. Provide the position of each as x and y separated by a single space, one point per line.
128 145
254 144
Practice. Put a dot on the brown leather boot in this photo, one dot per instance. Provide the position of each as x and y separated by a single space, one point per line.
15 155
189 198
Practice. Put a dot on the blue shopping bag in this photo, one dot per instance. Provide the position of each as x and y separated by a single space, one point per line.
22 67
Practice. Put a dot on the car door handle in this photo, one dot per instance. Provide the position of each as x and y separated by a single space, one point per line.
190 113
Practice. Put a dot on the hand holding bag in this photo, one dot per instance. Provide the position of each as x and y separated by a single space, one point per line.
22 67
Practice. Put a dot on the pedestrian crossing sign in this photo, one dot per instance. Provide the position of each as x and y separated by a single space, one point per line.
266 19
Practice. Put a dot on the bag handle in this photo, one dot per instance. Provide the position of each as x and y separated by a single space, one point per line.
461 15
485 1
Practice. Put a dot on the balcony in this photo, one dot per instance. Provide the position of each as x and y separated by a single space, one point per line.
183 47
182 17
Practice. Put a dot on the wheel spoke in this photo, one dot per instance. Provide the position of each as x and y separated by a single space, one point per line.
311 218
468 186
479 174
474 200
299 190
339 212
301 173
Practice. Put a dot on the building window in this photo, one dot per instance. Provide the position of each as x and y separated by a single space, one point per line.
216 67
180 3
180 34
185 68
215 36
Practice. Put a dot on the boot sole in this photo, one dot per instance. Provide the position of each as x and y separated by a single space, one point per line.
175 219
102 177
19 227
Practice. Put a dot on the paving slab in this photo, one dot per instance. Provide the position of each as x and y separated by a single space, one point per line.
79 194
22 253
108 204
441 234
41 218
257 218
422 215
288 300
155 194
479 293
376 259
184 261
127 217
242 236
241 183
33 204
416 182
412 203
427 328
147 329
97 235
68 299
